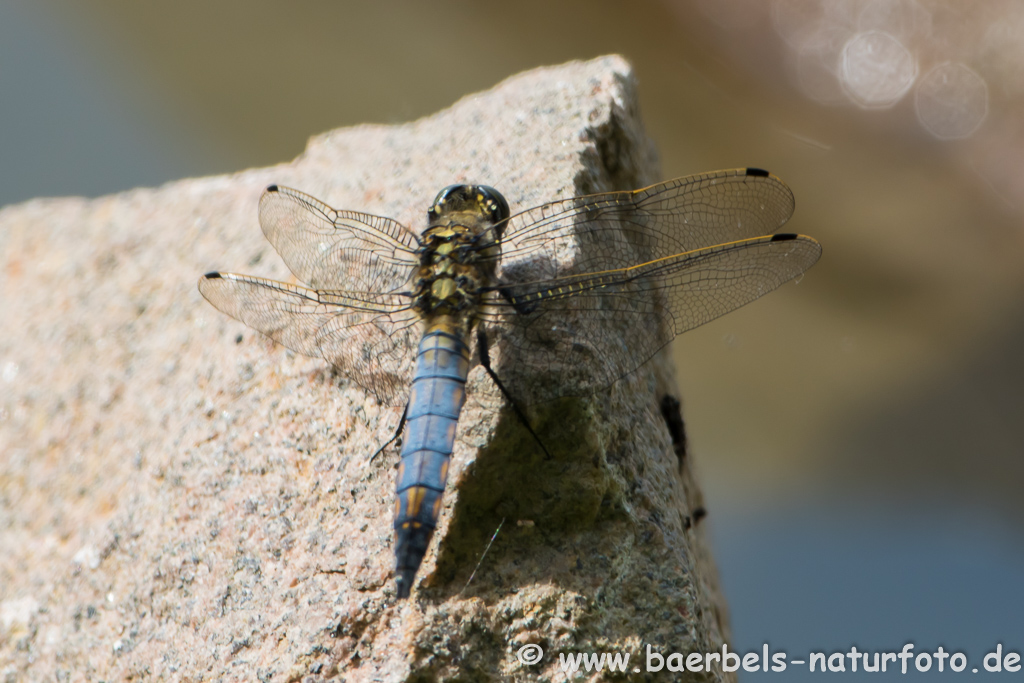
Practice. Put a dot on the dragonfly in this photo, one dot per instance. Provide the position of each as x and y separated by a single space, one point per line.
574 294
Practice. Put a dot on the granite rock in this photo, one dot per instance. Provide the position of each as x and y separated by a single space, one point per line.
182 499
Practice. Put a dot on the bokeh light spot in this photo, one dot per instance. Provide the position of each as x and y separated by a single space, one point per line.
877 70
951 101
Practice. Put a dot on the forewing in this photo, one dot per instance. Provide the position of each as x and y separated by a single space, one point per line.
615 229
369 338
580 333
329 249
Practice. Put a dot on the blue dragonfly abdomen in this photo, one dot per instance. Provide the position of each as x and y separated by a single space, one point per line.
435 401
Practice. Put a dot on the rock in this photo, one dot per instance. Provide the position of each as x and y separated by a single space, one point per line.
184 499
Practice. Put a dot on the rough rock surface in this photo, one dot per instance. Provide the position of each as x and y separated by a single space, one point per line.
181 499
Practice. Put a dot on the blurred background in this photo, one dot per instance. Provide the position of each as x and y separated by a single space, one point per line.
860 435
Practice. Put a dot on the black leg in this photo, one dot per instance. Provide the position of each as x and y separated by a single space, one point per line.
485 360
398 433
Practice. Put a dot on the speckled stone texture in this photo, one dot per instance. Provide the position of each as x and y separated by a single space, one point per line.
181 499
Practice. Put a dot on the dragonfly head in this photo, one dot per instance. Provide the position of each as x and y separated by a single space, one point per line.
479 200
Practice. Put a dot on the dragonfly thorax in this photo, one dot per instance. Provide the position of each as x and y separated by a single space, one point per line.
453 273
458 252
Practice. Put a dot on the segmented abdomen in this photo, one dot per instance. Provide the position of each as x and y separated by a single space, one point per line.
438 392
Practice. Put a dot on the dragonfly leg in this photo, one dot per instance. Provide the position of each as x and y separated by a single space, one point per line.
485 360
398 433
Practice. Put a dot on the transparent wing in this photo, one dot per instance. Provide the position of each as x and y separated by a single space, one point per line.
370 338
615 229
591 288
329 249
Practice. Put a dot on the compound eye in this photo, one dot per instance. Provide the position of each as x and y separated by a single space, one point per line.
443 196
438 207
495 203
